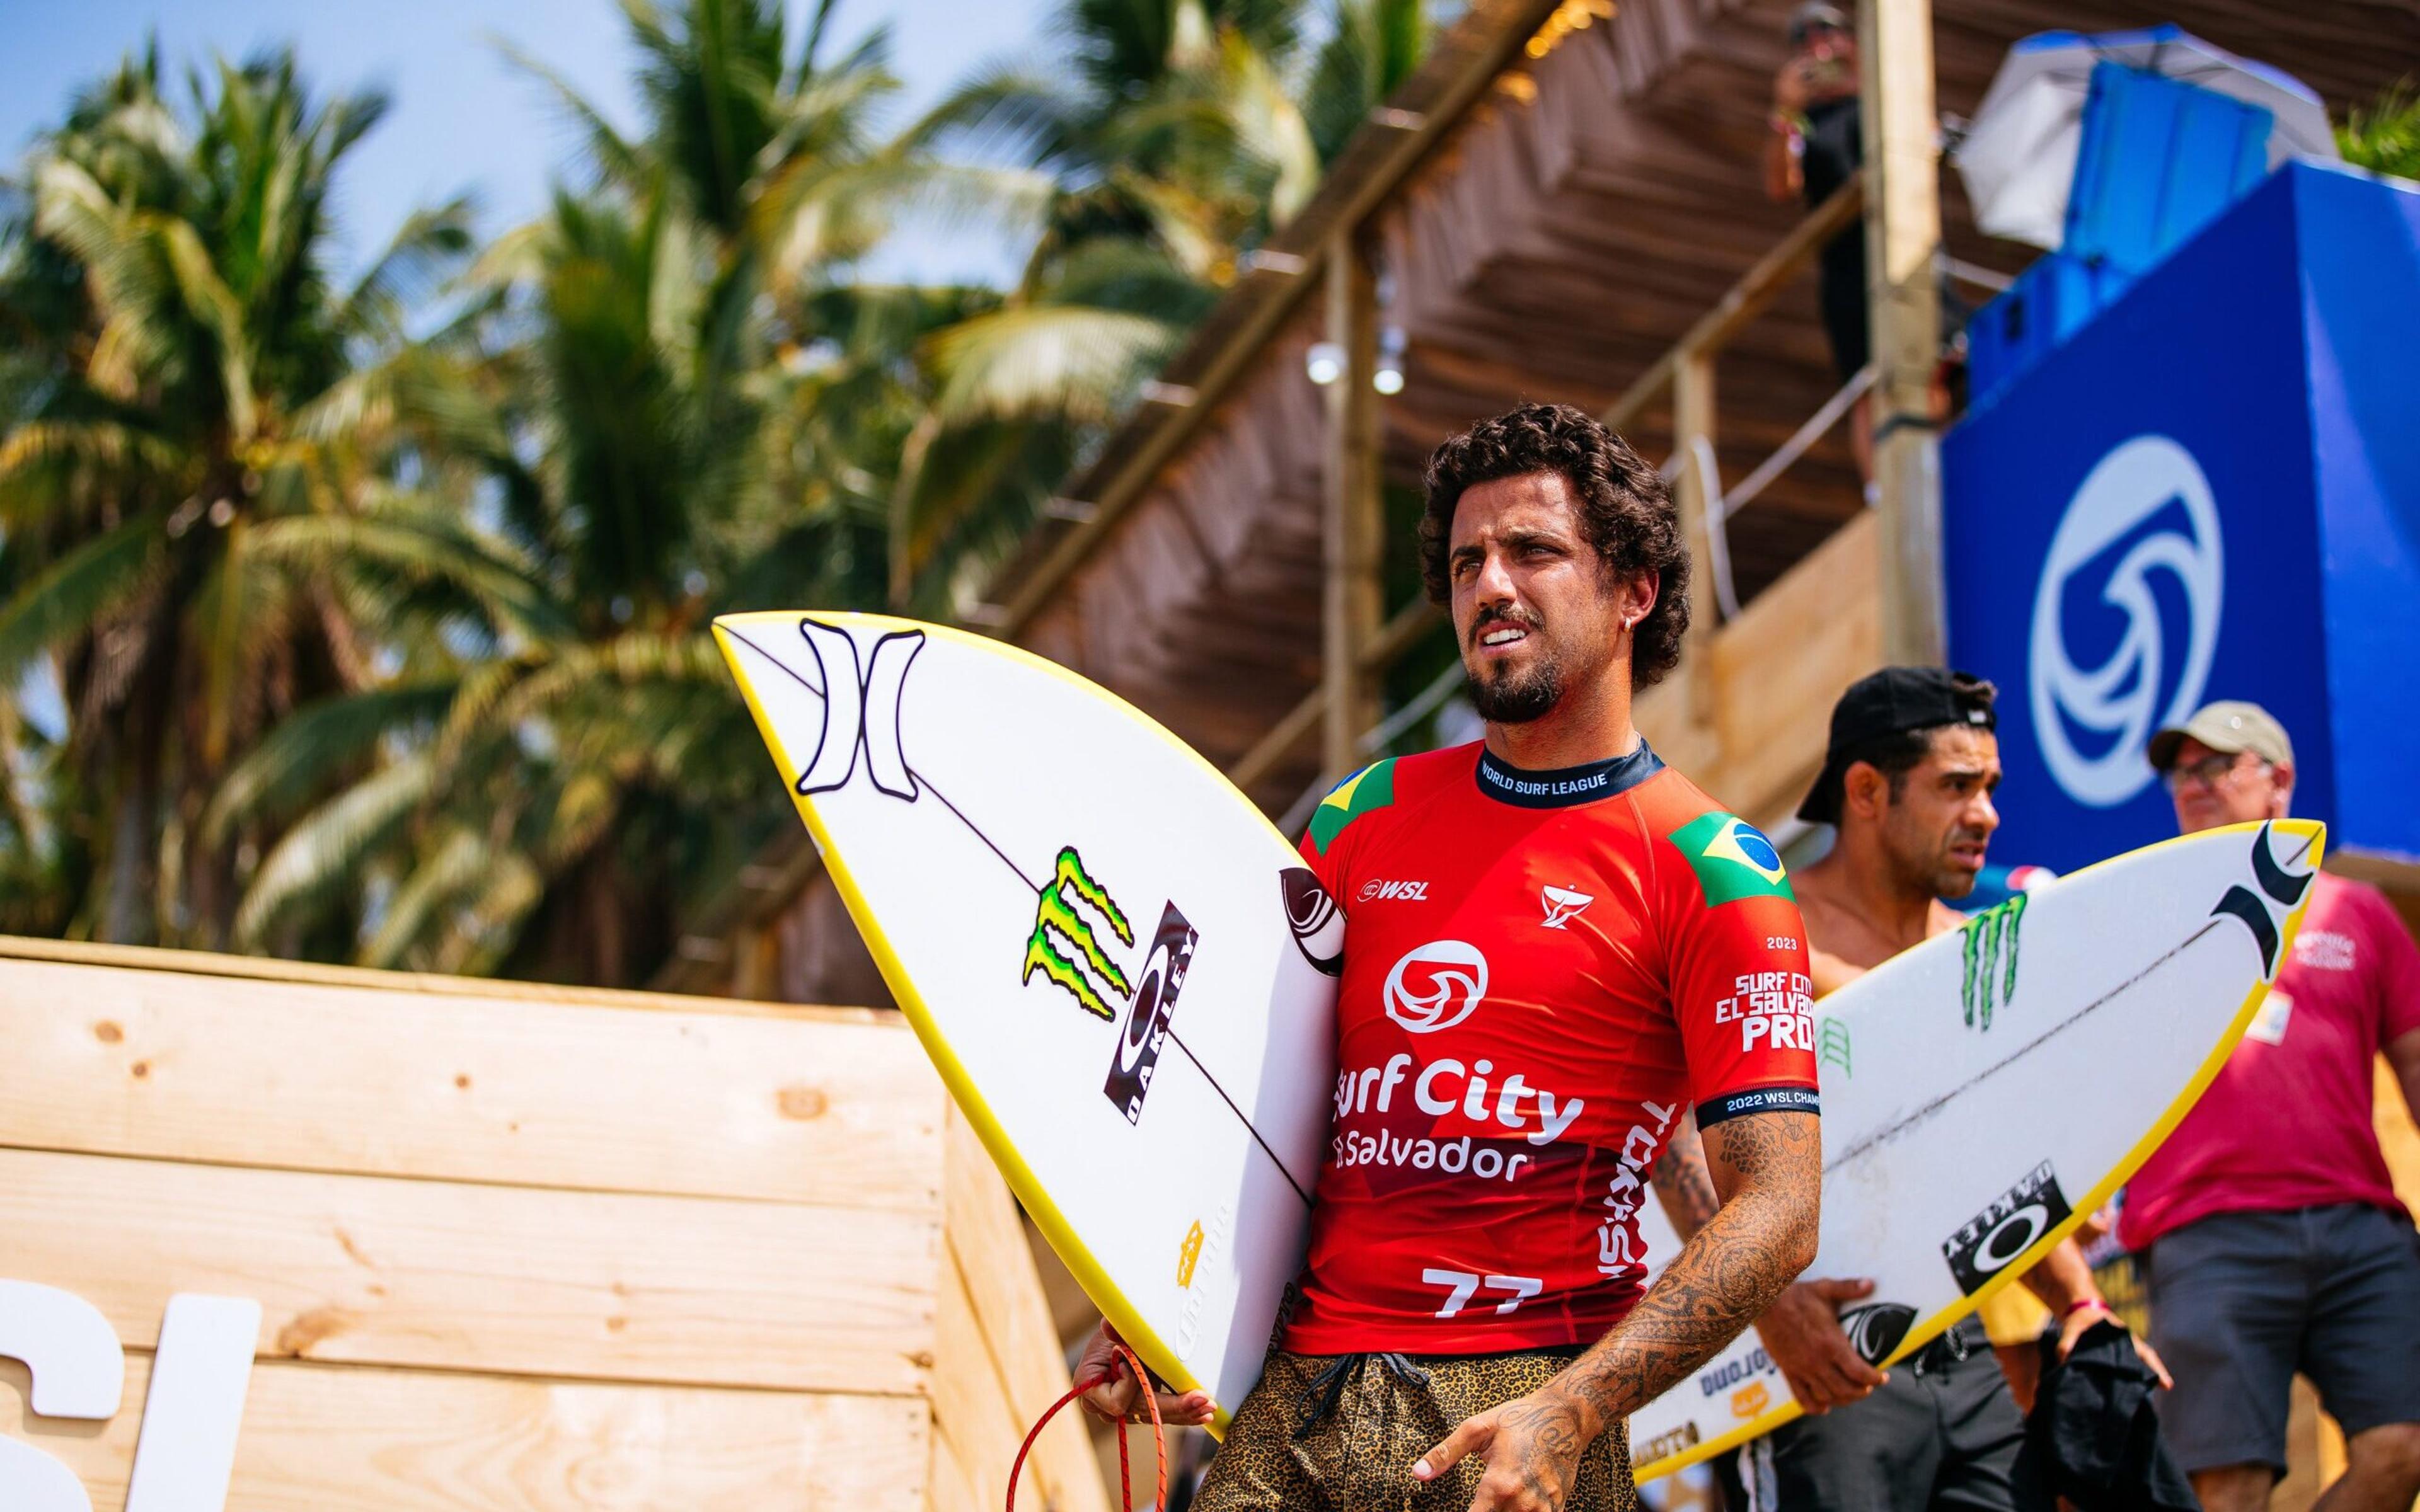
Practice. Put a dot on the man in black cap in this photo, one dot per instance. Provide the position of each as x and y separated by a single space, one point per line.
1907 779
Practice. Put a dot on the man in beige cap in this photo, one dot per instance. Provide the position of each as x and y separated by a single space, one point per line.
2266 1226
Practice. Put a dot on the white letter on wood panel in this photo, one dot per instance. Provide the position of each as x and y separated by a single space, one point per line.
78 1371
195 1405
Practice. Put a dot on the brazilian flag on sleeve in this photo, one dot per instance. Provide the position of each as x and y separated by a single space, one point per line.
1732 859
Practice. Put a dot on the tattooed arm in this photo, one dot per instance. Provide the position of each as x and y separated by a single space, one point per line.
1767 1170
1802 1329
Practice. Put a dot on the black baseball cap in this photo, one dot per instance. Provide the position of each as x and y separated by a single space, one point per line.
1889 703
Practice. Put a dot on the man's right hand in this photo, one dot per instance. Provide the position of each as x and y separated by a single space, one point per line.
1793 87
1119 1399
1802 1332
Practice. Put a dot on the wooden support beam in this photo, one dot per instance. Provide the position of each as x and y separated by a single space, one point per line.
1352 600
1400 634
1693 421
1902 255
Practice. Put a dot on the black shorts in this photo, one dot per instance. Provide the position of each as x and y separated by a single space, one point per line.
2242 1300
1339 1433
1942 1433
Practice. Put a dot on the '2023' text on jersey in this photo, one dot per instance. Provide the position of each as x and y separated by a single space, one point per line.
1542 971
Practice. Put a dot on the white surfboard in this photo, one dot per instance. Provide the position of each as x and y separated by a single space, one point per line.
1121 968
1986 1093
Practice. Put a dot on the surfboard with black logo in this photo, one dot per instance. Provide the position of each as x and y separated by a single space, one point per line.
1119 966
1986 1092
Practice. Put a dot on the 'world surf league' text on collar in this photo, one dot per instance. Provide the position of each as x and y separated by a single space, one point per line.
1565 784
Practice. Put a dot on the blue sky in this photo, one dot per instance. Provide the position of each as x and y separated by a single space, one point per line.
463 117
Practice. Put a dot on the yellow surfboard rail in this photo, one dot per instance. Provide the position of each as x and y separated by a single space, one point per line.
1940 1322
1094 1277
1072 1251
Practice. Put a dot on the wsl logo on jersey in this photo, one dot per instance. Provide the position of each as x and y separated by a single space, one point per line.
1732 859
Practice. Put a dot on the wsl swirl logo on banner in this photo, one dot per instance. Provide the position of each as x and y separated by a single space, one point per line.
2125 618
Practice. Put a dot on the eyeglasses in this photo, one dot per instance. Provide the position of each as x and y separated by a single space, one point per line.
2207 772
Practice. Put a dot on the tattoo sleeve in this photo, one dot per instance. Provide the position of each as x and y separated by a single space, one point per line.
1682 1182
1769 1169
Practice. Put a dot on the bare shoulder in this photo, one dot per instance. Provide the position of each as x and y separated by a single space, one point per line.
1942 920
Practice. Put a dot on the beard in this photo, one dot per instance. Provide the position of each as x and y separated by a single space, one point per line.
1517 697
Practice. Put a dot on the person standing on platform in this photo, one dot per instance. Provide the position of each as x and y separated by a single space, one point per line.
1540 929
1907 779
1816 145
2268 1230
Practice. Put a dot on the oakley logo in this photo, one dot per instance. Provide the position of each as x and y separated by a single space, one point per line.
861 709
1436 985
1414 892
2117 702
1562 905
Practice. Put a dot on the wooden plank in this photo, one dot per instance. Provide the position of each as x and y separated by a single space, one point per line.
348 1439
969 1412
603 1286
1903 249
261 968
841 1110
986 1244
1352 557
1819 621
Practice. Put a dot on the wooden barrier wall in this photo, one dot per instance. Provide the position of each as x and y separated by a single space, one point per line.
518 1249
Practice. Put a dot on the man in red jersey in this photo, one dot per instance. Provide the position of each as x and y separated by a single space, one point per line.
2266 1224
1555 946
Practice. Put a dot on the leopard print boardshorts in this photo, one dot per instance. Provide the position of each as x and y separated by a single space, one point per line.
1339 1433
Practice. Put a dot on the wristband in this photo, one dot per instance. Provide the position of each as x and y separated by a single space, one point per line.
2095 1304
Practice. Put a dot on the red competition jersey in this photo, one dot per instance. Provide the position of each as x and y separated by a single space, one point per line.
1542 970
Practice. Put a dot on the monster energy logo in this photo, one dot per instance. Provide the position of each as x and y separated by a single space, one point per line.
1831 1043
1991 939
1057 925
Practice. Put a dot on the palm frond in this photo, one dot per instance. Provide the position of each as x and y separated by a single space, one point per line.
321 853
1074 360
79 590
315 745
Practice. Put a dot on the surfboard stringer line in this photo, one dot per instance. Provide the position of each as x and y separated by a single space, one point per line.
1122 1314
2314 833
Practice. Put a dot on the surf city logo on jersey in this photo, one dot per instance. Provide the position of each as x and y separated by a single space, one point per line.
1990 950
1562 905
1775 1006
1987 1242
1732 859
1436 985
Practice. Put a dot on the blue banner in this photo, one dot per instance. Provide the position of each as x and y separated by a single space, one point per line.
2131 529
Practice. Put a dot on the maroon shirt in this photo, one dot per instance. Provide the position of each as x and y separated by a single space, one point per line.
2286 1124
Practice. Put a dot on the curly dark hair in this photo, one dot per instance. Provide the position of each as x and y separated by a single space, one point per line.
1626 513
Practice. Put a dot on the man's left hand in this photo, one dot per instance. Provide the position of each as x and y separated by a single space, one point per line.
2084 1318
1531 1444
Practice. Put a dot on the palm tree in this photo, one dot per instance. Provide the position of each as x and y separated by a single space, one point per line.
1182 134
696 413
208 447
2385 138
